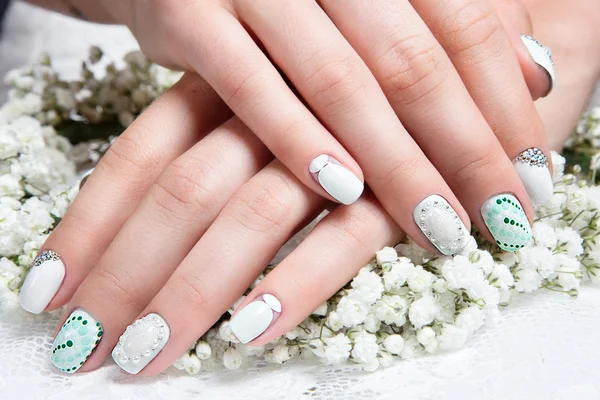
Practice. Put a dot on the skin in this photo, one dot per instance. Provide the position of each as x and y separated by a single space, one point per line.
226 206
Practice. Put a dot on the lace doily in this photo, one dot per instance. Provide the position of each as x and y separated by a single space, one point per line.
544 347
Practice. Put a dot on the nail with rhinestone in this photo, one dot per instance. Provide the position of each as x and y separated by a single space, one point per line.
532 167
440 224
75 342
507 222
336 179
43 280
255 318
542 56
141 342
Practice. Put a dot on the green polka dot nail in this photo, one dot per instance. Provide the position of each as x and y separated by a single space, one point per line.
77 339
507 222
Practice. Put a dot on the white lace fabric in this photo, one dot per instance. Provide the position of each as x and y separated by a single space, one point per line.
544 346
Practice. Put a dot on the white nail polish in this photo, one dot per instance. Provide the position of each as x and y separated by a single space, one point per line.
255 318
43 280
542 57
532 167
338 181
440 224
141 342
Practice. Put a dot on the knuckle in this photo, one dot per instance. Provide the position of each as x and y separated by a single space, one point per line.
128 157
410 68
400 172
356 227
117 286
190 290
473 170
242 84
474 32
186 189
264 207
334 83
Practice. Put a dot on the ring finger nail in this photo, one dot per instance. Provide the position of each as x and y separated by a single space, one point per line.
141 342
255 318
440 224
532 167
77 339
542 57
507 222
336 179
42 282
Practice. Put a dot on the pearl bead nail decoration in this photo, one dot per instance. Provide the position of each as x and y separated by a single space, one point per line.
507 222
440 224
141 342
77 339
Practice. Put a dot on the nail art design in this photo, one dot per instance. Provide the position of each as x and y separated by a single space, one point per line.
507 222
43 280
532 167
338 181
255 318
76 341
440 224
141 342
542 56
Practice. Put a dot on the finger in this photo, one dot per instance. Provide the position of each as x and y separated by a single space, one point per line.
229 59
179 207
345 240
428 95
172 124
231 254
339 87
474 38
535 59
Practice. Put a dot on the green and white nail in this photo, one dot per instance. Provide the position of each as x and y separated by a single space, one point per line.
507 222
76 341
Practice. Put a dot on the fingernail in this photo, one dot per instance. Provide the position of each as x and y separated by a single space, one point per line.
141 342
440 224
507 222
542 56
336 179
77 339
255 318
532 167
43 280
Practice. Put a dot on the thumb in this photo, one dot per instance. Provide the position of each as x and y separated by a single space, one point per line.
535 59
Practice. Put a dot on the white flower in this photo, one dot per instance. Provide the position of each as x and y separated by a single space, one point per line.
391 309
452 337
544 234
334 321
386 255
371 323
470 319
366 287
537 258
385 359
423 311
203 350
569 241
420 280
365 347
460 273
558 166
425 336
10 186
527 280
226 334
485 292
394 344
483 260
396 275
337 348
568 281
280 354
439 286
351 312
321 310
232 359
501 277
182 362
9 143
193 365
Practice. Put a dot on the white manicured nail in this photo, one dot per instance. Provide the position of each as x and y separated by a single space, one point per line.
141 342
542 57
440 224
336 179
532 167
43 280
255 318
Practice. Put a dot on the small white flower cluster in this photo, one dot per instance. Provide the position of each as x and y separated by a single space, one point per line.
404 303
587 131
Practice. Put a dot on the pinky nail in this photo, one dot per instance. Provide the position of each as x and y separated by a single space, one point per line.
532 167
43 281
141 342
75 342
336 179
542 57
255 318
